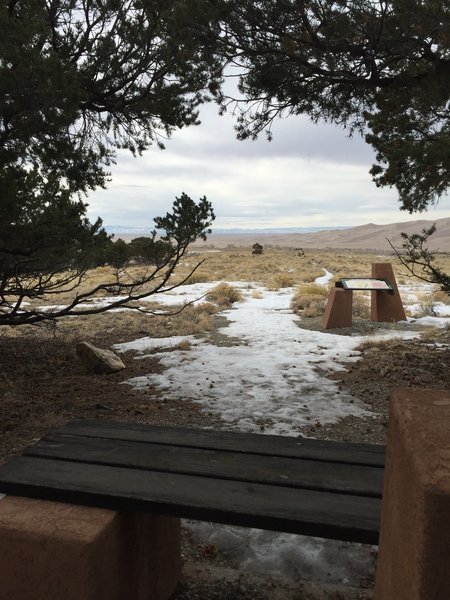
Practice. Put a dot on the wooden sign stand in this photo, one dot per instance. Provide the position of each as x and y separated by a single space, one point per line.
386 308
386 304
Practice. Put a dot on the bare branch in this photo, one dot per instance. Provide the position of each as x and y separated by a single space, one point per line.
419 260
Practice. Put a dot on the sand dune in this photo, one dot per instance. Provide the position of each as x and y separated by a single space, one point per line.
363 237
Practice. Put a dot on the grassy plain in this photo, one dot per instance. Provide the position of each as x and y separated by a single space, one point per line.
276 268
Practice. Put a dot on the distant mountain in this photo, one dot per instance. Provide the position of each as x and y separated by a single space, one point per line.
363 237
275 230
140 231
123 229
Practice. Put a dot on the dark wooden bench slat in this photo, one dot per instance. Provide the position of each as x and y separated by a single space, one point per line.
307 512
270 470
363 454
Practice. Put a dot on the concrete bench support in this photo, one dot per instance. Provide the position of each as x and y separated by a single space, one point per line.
338 311
414 559
55 551
386 308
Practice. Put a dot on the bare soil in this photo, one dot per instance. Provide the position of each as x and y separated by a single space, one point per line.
423 363
43 385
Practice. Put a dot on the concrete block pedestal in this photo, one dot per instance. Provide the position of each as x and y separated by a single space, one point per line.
338 311
414 553
384 307
56 551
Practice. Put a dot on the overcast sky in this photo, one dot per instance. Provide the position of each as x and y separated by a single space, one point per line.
308 176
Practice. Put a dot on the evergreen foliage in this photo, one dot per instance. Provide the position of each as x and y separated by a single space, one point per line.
378 68
80 80
188 221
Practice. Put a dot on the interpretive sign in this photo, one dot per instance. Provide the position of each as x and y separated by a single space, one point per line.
385 303
365 283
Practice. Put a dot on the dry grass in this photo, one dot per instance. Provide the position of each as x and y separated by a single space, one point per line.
441 296
199 276
310 299
430 335
361 306
275 268
427 302
280 267
103 276
434 335
381 345
128 324
225 294
184 345
241 265
282 280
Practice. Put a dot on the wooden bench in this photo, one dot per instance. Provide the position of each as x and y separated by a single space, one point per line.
297 485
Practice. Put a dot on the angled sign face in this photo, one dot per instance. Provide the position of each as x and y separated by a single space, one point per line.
365 283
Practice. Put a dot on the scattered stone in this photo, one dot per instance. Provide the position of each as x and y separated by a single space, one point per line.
98 360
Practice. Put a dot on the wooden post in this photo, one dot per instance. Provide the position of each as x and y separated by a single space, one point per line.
386 307
338 311
414 554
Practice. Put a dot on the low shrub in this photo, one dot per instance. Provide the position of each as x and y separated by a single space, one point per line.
310 299
315 308
311 276
441 296
361 306
198 277
282 280
195 318
427 303
184 345
224 294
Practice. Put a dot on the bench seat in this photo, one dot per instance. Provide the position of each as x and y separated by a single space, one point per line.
289 484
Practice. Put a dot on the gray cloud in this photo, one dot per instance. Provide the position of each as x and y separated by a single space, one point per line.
309 175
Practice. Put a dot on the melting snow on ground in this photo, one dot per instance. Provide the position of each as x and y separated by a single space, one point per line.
273 377
325 278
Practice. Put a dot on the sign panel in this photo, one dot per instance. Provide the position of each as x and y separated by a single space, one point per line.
365 283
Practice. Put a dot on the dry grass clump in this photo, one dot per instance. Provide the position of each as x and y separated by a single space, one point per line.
376 345
436 335
441 296
184 345
309 276
199 276
224 294
282 280
427 302
426 306
310 299
192 319
361 306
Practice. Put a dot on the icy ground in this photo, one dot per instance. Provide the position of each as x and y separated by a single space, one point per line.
271 378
